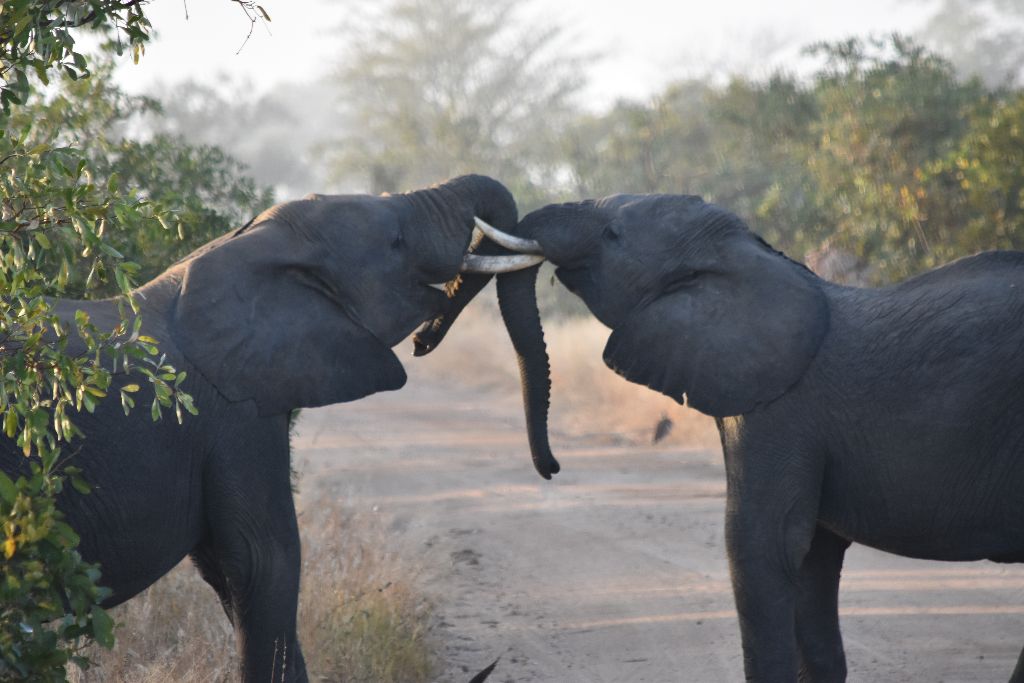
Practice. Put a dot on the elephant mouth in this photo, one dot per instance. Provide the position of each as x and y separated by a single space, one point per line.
573 279
526 253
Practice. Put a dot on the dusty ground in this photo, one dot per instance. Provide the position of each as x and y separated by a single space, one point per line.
614 571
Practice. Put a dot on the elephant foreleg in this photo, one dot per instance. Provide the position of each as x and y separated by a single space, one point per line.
265 621
205 562
817 610
1018 671
771 518
259 565
251 555
765 592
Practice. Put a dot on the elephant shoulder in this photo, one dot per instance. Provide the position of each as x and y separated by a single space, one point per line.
971 304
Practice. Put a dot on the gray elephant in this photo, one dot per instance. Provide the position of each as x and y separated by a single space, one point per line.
892 417
299 308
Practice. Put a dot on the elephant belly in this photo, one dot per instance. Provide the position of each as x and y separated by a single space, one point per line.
134 550
970 511
143 514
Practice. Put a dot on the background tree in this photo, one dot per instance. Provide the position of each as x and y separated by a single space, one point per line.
276 134
884 156
983 179
432 89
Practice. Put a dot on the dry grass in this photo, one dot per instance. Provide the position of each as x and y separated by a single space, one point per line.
360 616
586 397
174 631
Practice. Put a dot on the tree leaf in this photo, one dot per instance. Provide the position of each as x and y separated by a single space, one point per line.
102 627
8 492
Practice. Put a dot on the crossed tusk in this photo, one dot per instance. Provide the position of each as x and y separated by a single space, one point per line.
519 244
474 263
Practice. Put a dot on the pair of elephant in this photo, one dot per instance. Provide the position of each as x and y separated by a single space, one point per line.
893 417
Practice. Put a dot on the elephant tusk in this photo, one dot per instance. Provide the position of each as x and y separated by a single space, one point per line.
519 244
474 263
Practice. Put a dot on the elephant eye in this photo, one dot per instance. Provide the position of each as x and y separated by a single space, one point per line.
398 242
610 232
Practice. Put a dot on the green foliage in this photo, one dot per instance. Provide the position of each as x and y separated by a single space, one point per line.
198 192
887 110
54 215
37 38
84 212
983 180
49 595
206 187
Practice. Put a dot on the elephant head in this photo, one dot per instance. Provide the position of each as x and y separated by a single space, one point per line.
300 307
699 306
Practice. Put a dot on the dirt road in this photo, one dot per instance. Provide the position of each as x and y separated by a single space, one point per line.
614 571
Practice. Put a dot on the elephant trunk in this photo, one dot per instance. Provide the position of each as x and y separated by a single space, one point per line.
517 297
447 211
488 199
460 292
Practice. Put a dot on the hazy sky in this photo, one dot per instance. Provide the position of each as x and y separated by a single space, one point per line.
645 43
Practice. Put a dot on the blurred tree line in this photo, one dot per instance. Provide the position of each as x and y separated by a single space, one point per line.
883 154
884 161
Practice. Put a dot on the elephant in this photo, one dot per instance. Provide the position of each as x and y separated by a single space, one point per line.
298 308
891 417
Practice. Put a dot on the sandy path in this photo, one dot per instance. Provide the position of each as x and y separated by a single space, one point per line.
615 571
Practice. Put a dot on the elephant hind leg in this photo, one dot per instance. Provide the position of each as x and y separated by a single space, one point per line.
817 610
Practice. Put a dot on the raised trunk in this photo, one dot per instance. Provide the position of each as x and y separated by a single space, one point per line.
446 212
460 293
517 297
492 202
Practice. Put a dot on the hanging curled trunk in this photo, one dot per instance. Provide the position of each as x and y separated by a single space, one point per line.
517 297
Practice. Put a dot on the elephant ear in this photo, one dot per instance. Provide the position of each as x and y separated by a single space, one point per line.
259 324
732 340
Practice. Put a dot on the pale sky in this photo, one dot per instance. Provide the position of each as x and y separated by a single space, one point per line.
645 43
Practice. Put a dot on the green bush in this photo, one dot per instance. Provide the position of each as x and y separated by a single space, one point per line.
83 213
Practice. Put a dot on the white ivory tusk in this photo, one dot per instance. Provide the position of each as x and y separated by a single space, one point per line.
519 244
474 263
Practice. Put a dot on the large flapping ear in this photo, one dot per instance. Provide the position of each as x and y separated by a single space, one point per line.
258 324
733 340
